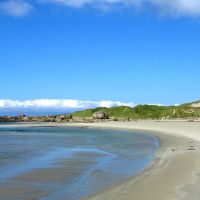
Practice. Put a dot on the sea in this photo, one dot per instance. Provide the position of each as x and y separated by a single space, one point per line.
64 163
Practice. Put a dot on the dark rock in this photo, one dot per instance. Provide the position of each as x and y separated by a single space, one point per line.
191 149
100 115
173 149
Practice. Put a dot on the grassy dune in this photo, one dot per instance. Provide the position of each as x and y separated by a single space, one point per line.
144 112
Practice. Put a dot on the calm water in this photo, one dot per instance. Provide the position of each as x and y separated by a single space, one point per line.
69 163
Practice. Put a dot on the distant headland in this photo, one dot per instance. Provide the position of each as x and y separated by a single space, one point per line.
188 111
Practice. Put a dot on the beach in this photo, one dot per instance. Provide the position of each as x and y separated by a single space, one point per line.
175 172
99 100
173 175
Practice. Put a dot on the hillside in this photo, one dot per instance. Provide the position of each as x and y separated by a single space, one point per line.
184 111
188 111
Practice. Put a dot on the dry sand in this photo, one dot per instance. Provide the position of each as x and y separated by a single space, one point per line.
175 172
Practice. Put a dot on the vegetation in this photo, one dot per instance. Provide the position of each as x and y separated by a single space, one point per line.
144 112
121 113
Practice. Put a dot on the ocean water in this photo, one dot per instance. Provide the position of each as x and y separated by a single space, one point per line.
47 163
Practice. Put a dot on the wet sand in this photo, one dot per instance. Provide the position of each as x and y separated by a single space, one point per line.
39 183
173 175
175 172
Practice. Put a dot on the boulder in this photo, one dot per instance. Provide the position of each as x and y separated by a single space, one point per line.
100 115
63 118
25 118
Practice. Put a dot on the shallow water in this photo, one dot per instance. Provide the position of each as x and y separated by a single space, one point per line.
47 163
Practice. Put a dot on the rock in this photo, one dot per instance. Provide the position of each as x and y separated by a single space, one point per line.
113 118
58 120
68 117
25 118
62 118
191 149
100 115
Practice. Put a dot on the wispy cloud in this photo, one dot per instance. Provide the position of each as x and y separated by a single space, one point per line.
15 7
59 104
95 3
168 7
172 7
178 7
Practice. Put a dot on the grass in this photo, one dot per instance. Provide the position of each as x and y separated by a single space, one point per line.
143 112
184 111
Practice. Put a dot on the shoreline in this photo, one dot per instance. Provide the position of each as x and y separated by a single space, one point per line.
174 173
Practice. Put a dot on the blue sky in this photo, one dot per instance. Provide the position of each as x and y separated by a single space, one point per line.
126 51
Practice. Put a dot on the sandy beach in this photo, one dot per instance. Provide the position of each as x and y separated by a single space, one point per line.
175 172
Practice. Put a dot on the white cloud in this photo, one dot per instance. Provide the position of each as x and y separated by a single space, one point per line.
169 7
173 7
59 104
95 3
15 7
179 7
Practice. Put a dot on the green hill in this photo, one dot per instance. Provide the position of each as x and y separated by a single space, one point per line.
144 112
121 113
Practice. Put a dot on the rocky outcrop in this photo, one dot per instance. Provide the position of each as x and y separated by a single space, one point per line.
63 118
196 105
100 115
24 118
